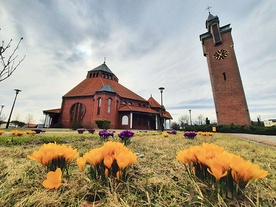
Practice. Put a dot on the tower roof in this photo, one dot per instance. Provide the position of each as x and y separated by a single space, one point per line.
103 67
211 18
107 88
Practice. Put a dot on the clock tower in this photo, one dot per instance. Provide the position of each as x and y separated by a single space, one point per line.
229 97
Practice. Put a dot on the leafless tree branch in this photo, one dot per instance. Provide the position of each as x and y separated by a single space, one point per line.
9 64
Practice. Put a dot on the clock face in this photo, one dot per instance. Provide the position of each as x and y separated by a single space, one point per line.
220 54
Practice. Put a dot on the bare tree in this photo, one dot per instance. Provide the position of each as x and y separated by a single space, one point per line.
8 63
200 119
184 120
29 120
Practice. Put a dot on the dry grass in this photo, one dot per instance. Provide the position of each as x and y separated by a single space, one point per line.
157 179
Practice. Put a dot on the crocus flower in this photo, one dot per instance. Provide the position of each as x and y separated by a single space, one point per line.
53 179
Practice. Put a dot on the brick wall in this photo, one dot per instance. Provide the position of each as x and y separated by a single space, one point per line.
229 97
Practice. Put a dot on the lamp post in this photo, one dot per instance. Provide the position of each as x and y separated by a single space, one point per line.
16 93
190 112
162 107
2 106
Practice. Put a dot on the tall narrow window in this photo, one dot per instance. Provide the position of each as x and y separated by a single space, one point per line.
216 34
109 105
77 112
99 106
224 76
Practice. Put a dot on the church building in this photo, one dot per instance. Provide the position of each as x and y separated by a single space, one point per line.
229 96
100 96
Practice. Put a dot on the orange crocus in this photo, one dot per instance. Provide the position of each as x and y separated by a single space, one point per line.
108 160
81 163
53 179
216 170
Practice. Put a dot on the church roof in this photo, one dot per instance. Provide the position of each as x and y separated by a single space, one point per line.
138 109
52 111
107 88
103 67
89 86
153 103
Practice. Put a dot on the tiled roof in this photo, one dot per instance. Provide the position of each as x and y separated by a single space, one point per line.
89 86
145 110
153 103
102 67
167 115
107 88
138 108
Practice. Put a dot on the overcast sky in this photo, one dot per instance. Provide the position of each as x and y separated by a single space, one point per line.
147 44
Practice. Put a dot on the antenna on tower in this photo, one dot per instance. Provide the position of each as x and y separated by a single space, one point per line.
104 59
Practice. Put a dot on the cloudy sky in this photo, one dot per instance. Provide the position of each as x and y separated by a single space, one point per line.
147 44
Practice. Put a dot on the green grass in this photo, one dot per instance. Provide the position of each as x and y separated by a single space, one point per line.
157 179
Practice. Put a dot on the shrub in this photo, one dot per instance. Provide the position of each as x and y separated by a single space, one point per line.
103 124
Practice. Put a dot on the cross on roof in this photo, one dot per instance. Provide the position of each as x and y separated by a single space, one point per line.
208 8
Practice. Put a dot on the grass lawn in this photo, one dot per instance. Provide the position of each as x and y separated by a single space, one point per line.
156 179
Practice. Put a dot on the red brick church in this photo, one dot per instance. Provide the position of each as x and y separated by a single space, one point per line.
100 96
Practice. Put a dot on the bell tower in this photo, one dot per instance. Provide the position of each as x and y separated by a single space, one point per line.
229 97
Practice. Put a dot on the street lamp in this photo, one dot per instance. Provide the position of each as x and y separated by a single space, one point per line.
162 107
190 112
2 106
16 93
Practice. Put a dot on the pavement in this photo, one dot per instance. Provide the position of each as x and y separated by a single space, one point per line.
263 139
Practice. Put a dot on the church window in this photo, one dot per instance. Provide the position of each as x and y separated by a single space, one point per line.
125 120
124 103
129 103
103 75
99 106
109 105
77 112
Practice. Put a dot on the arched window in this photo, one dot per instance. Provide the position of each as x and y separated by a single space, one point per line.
99 106
109 105
124 103
129 103
125 120
77 112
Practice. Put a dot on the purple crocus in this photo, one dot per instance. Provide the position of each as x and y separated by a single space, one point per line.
104 134
190 135
125 136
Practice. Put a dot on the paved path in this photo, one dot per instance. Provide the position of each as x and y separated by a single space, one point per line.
264 139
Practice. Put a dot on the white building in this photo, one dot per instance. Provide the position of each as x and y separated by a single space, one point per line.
270 122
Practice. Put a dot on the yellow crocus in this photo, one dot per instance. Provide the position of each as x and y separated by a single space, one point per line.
53 179
108 160
216 170
81 163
